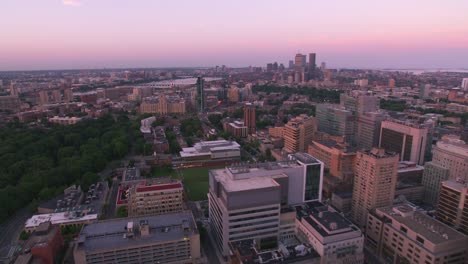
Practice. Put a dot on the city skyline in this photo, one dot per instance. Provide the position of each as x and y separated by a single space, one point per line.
77 34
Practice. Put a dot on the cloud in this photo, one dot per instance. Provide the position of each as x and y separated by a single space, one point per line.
71 2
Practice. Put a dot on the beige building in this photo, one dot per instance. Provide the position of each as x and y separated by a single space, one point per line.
375 181
163 105
402 234
298 133
169 238
452 155
159 196
276 131
452 208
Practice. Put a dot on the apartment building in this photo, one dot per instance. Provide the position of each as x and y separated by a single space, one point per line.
452 207
164 104
298 133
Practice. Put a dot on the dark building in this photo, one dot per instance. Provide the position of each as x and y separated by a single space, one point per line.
249 117
200 94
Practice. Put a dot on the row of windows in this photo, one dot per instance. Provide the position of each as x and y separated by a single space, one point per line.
253 211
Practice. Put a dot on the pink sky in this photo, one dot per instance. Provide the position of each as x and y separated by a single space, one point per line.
56 34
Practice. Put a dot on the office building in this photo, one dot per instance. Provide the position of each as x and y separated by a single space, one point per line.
359 104
331 235
211 150
452 207
298 133
464 84
154 197
249 117
169 238
291 64
336 121
163 105
432 179
403 234
200 95
368 129
406 138
299 62
312 57
375 180
245 200
452 155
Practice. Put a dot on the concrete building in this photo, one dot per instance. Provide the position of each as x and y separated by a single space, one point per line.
432 179
402 234
245 201
298 133
276 131
72 218
154 197
368 129
452 207
237 129
169 238
249 117
452 155
375 180
163 105
406 138
331 235
212 150
336 121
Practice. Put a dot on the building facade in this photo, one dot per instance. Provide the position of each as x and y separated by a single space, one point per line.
452 206
452 155
336 121
163 105
298 133
245 201
432 179
402 234
249 117
375 181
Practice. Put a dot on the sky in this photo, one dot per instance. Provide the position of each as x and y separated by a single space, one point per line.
77 34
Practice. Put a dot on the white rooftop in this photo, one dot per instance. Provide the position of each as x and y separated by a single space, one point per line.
57 219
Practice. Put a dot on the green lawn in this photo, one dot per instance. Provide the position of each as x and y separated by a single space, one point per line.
195 180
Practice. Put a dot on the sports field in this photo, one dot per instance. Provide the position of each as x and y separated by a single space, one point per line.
195 180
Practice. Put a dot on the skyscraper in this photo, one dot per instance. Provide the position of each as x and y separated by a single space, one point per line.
368 129
375 180
311 64
201 94
249 117
299 62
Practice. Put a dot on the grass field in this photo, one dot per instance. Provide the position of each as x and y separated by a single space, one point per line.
195 180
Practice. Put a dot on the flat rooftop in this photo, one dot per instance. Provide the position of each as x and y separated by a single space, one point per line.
112 234
58 218
422 224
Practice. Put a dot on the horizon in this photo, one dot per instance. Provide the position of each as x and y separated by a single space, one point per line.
99 34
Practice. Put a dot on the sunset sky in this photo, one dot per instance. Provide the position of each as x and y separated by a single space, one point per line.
73 34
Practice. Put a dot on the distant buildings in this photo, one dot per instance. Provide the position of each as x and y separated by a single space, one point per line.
245 201
452 207
249 117
464 84
65 120
211 150
163 105
168 238
154 197
10 103
405 138
402 234
298 133
200 94
374 182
